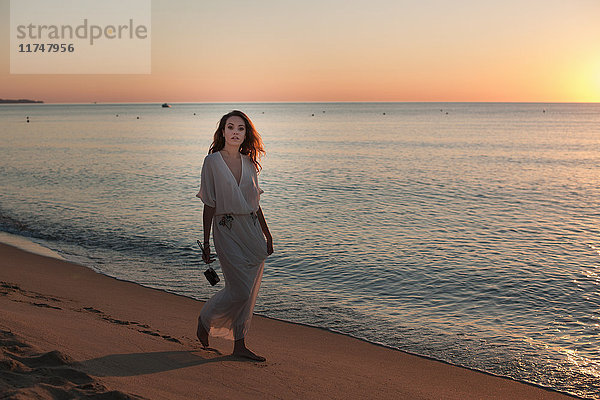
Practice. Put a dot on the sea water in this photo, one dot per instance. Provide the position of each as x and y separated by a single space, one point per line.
466 232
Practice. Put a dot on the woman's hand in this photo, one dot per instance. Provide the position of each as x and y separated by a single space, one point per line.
269 246
206 257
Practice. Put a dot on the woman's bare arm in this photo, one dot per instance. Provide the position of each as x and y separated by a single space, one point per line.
265 229
207 216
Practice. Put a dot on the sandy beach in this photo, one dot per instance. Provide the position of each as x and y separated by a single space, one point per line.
69 332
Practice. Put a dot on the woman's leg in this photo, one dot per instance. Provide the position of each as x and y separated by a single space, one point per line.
241 256
201 333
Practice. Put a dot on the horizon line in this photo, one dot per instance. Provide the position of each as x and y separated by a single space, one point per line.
297 102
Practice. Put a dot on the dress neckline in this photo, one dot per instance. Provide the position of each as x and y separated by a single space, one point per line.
231 172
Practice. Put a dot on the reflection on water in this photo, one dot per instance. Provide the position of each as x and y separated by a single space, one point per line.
470 237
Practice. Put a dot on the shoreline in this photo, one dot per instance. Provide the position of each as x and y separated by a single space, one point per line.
32 273
35 248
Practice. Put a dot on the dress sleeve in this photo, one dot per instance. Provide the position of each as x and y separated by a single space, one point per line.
255 173
207 184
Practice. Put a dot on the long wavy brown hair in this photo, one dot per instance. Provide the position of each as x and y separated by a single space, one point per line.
252 146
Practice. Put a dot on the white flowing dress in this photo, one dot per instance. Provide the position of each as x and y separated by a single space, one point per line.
239 242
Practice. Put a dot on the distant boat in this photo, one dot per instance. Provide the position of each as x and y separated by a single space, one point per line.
166 105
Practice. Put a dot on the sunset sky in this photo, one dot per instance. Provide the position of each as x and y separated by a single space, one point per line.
347 50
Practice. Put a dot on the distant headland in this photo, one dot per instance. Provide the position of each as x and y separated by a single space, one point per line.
9 101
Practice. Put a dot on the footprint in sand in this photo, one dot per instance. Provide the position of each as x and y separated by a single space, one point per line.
145 328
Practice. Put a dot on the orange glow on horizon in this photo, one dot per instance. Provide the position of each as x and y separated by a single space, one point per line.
371 51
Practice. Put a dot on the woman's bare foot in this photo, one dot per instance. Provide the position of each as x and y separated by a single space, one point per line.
245 353
202 334
240 350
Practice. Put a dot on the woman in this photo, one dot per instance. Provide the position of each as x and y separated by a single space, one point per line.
230 192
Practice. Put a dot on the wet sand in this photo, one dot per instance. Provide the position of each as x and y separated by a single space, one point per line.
66 330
